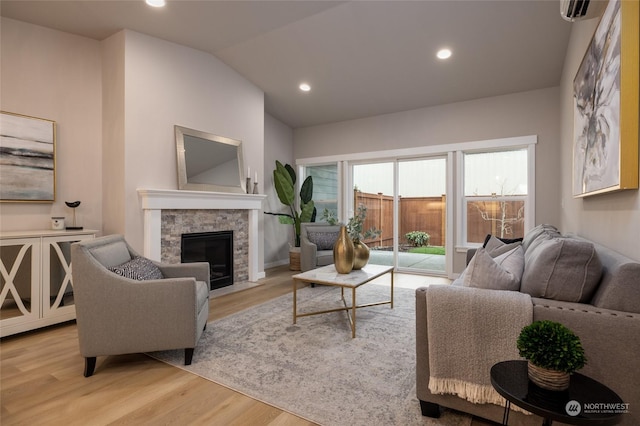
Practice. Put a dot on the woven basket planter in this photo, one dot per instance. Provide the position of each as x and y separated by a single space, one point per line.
294 259
548 379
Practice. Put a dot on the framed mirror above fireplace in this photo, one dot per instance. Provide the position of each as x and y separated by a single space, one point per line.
208 162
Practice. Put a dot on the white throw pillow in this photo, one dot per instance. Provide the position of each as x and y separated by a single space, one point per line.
502 273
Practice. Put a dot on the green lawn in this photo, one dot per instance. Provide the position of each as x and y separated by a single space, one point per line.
428 250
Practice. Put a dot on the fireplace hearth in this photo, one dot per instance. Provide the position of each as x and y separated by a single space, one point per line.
213 247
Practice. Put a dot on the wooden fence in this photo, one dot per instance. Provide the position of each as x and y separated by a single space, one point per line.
504 219
428 214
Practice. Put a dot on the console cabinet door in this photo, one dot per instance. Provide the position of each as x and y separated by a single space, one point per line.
20 279
57 284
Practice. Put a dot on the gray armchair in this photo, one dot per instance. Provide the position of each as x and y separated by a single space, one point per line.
119 315
316 244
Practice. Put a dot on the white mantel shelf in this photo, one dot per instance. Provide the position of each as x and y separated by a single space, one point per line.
165 199
153 201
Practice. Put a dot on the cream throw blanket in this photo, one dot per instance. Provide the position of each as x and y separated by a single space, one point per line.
469 330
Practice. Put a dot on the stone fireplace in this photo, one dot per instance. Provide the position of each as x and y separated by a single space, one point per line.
170 213
176 223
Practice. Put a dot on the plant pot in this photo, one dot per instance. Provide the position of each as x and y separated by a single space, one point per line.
343 252
294 259
361 255
548 379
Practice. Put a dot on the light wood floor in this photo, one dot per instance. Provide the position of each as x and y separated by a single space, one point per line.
42 380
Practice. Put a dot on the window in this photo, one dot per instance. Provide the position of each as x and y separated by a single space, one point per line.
325 188
495 194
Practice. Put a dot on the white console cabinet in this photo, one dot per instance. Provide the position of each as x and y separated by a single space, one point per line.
35 273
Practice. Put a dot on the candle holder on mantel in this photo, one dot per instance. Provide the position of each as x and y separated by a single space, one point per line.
255 187
248 185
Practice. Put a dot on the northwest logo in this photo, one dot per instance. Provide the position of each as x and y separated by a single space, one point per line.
573 408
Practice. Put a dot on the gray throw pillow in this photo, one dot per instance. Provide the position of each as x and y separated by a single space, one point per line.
561 269
539 233
502 273
139 268
495 247
323 240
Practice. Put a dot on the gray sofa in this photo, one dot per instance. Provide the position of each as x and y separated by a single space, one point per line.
599 299
128 304
316 244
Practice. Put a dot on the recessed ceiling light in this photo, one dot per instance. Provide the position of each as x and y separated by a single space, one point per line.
443 53
155 3
304 87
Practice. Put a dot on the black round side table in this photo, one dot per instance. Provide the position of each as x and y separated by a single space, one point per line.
586 402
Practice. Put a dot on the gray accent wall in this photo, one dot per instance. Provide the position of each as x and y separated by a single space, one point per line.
613 219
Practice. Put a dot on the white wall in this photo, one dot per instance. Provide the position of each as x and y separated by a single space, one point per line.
610 219
167 84
55 75
529 113
115 103
278 145
113 171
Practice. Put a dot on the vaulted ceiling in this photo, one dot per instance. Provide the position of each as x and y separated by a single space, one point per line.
361 58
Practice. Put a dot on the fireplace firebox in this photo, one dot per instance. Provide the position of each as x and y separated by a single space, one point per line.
213 247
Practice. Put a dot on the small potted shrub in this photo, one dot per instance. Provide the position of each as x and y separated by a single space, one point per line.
553 352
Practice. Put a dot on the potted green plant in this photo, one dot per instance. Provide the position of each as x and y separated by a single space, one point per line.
553 352
329 217
355 227
284 180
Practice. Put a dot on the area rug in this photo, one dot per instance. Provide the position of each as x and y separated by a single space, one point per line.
314 369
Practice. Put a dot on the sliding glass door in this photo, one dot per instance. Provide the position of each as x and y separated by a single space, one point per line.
422 215
372 192
405 203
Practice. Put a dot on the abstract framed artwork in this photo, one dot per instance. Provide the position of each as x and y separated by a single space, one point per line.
27 158
606 105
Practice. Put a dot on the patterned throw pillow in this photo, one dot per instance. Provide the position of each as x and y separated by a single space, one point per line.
324 240
139 268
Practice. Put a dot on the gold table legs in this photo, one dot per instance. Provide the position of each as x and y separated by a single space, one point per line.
350 310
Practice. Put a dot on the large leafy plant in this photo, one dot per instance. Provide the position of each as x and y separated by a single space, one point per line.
551 345
284 180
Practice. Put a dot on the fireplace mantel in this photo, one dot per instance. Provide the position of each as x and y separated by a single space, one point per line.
153 201
165 199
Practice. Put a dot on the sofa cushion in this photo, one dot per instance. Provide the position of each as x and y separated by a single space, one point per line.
111 254
620 288
561 269
324 257
502 273
324 240
139 268
539 233
202 294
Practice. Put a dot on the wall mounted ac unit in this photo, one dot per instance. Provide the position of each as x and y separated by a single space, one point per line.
573 10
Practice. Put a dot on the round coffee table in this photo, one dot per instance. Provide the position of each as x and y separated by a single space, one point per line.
586 402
